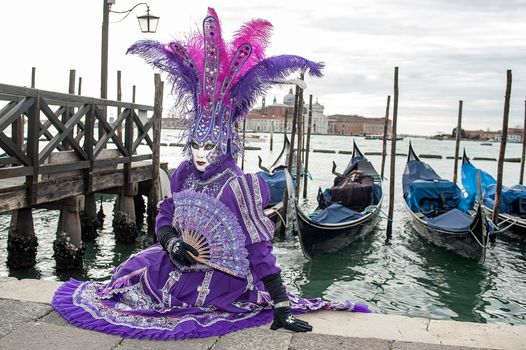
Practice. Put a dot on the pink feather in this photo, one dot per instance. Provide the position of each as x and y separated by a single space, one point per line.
257 33
224 58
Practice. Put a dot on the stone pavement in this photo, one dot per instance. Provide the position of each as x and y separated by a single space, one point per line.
28 322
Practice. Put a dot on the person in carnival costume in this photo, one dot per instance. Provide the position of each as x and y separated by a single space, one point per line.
213 271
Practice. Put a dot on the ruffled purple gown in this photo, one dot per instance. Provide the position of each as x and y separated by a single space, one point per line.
150 297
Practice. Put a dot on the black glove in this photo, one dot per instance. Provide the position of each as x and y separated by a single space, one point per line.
283 318
282 313
175 247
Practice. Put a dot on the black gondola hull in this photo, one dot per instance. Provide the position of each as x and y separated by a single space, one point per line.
319 239
467 244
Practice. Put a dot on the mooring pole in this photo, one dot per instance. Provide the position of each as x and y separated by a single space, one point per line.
271 134
243 155
386 131
307 149
293 131
503 139
521 176
119 98
79 90
299 127
393 157
457 140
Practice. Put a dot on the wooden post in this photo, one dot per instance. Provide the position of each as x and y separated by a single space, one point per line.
299 127
393 157
293 132
68 113
119 98
271 134
80 87
521 176
457 142
504 137
244 143
155 192
307 149
386 130
286 123
33 77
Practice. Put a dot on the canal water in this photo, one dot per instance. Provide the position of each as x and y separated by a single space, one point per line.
405 275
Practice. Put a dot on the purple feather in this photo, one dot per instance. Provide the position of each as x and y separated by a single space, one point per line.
182 77
264 75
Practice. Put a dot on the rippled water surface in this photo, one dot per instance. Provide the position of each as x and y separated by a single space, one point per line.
405 275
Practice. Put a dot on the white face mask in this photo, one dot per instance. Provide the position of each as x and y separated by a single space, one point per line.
203 154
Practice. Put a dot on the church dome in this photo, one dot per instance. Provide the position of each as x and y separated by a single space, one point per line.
289 98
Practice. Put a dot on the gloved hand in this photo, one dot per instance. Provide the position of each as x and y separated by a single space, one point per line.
283 318
175 247
179 251
282 314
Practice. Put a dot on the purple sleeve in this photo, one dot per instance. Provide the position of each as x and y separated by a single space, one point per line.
247 196
262 260
165 213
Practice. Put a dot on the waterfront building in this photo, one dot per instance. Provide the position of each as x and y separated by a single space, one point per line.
267 118
340 124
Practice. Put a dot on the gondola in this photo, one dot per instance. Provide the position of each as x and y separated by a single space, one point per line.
332 226
440 213
512 212
279 181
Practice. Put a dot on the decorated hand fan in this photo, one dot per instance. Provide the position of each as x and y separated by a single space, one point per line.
212 229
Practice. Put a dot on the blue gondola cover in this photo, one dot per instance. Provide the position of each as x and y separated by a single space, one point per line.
336 214
513 198
276 183
454 220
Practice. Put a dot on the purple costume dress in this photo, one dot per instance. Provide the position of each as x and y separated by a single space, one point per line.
150 297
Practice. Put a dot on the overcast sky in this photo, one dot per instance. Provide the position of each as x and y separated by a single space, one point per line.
446 50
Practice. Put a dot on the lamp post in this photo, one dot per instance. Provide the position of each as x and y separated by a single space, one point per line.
148 24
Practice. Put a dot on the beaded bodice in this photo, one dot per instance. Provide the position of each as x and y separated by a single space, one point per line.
212 186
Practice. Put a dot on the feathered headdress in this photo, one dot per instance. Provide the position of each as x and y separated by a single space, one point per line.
221 80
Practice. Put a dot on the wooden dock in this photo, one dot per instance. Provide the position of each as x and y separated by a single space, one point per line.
59 150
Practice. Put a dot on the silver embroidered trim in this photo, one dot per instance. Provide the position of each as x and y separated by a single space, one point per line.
250 281
173 277
282 304
259 207
89 298
240 199
213 186
253 210
204 289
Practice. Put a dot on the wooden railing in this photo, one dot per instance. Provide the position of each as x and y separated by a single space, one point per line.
44 122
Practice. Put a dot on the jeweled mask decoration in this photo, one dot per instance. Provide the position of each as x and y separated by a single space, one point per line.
221 80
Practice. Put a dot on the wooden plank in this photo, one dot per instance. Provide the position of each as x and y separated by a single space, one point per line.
12 200
62 135
110 132
63 168
62 127
15 171
12 114
13 150
11 92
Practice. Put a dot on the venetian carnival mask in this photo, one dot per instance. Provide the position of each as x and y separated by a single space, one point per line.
218 81
203 154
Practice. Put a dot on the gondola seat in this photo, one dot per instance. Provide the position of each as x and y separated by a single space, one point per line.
335 214
433 197
276 183
454 220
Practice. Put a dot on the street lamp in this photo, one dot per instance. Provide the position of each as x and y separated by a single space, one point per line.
147 22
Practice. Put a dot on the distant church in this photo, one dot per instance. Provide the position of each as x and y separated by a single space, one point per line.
267 118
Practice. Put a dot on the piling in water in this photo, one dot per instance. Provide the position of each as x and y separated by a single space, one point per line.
504 136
